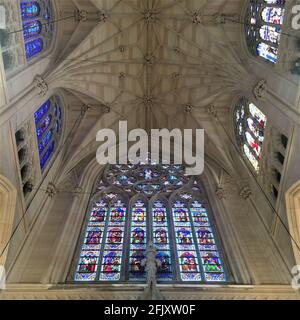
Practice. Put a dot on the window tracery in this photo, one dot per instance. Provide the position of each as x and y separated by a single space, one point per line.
174 216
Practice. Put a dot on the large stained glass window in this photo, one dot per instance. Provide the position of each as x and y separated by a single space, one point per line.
37 28
48 122
264 21
250 124
174 216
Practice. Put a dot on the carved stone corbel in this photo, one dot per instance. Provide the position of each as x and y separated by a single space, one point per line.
41 84
259 89
245 192
51 190
211 110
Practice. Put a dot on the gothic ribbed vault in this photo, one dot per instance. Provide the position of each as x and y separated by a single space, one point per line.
157 64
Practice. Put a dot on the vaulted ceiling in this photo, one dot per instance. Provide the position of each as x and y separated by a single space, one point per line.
155 63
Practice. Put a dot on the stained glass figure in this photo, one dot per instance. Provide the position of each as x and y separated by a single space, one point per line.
210 257
186 249
160 234
47 129
92 244
263 29
138 238
113 250
250 124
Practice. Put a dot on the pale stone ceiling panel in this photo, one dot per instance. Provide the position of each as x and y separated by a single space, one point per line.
152 60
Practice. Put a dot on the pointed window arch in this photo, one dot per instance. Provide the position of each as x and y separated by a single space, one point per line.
263 27
48 122
173 216
37 27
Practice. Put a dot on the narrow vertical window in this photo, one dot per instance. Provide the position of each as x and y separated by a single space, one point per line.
113 250
250 124
48 122
185 246
37 29
161 240
263 28
210 257
138 240
90 252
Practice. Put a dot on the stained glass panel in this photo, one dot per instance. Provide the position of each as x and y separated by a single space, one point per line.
161 240
138 240
113 250
37 29
210 257
250 130
48 126
90 251
29 9
186 250
264 27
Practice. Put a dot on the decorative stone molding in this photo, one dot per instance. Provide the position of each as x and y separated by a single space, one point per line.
245 192
107 108
211 110
80 15
148 100
102 16
41 84
149 59
220 19
134 292
197 17
77 191
84 109
51 190
150 16
221 192
259 89
188 108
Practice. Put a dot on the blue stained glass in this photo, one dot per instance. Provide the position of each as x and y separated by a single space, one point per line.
43 126
42 111
29 9
47 155
31 29
45 140
33 48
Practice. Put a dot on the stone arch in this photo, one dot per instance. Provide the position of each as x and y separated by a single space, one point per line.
8 198
292 198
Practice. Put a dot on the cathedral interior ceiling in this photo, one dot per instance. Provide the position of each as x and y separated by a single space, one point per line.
157 64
